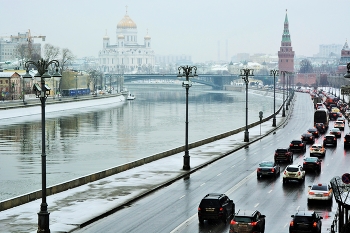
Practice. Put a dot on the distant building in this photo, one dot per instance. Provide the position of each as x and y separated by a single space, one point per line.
126 55
344 58
329 50
286 53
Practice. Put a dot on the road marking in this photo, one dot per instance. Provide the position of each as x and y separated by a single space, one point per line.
233 166
269 191
298 208
256 205
286 225
202 184
193 218
218 174
182 197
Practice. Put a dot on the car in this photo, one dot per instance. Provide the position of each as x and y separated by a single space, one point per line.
317 150
333 115
341 118
330 139
297 145
347 113
248 221
308 138
346 140
268 168
293 172
215 206
339 124
320 127
314 132
320 192
283 155
312 163
336 132
305 221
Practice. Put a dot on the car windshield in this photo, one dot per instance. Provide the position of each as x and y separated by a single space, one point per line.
316 147
305 219
210 203
310 159
296 142
243 219
266 164
320 187
292 169
312 130
281 150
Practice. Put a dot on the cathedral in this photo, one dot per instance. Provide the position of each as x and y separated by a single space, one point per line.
126 56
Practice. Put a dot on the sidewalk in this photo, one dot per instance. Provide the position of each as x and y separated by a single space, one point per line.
115 191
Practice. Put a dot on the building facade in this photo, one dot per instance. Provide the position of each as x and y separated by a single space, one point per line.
286 53
126 55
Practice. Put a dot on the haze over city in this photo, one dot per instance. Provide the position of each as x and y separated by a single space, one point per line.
206 30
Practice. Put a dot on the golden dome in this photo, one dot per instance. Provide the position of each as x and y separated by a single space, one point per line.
126 22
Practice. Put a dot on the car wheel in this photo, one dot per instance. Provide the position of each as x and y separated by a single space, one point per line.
201 220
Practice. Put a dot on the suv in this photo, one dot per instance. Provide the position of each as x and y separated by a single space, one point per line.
215 206
317 150
283 155
346 140
297 145
293 172
330 139
248 221
305 221
320 127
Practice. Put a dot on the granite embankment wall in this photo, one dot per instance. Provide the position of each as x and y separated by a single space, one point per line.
9 203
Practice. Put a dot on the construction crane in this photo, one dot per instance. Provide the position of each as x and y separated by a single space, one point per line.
24 37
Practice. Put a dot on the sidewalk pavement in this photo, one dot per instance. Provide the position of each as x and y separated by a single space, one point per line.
108 194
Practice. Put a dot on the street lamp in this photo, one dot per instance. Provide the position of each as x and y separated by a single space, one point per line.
55 81
287 97
42 92
23 87
76 83
186 71
245 74
284 80
274 73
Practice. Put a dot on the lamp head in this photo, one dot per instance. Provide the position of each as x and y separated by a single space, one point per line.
27 75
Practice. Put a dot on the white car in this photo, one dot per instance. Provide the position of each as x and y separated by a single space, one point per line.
339 124
322 192
293 172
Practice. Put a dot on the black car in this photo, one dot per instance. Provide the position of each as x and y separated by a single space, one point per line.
329 139
215 206
305 221
312 163
314 132
297 145
320 127
248 221
336 132
283 155
346 140
308 138
333 115
268 168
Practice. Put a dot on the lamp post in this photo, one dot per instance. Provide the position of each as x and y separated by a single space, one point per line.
42 92
284 80
186 71
245 74
110 84
76 86
287 97
274 73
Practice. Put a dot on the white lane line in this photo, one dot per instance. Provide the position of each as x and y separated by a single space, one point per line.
298 208
194 217
286 225
202 184
256 205
233 166
269 191
218 174
182 197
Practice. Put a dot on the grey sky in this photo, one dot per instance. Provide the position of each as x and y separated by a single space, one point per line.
177 27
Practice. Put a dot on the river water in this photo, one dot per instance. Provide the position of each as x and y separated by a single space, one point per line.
84 141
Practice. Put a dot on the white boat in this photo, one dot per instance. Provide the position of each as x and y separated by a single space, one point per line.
130 97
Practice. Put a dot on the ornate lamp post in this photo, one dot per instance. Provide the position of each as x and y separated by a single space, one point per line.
186 71
284 80
245 74
42 92
274 73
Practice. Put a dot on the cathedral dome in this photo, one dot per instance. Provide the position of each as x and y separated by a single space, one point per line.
121 36
126 22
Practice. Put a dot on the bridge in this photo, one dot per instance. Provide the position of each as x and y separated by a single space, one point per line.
216 81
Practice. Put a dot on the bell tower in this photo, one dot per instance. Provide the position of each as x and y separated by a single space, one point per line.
286 53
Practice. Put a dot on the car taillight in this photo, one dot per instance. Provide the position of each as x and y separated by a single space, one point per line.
334 139
291 145
301 144
233 222
259 169
284 172
253 223
221 209
298 173
315 224
304 162
291 223
199 208
326 194
312 193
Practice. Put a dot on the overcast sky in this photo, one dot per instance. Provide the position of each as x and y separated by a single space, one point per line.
190 27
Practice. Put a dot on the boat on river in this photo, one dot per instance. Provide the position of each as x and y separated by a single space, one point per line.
130 97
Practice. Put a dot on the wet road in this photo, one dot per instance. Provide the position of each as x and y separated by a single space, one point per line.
174 208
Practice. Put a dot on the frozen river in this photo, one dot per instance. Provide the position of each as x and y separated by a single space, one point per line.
87 140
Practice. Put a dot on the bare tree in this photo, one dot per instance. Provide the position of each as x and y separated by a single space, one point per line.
21 53
95 78
51 52
66 59
306 66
